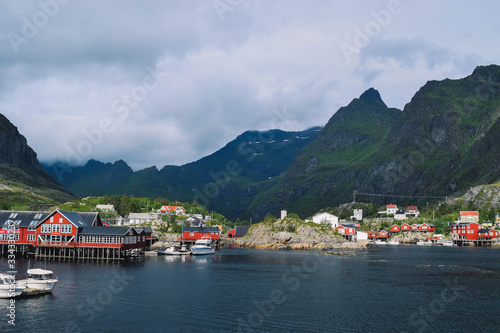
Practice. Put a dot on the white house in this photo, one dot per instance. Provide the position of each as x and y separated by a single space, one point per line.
326 218
358 214
412 211
138 218
391 209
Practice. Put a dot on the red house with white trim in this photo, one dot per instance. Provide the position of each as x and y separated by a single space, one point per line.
395 228
178 210
405 227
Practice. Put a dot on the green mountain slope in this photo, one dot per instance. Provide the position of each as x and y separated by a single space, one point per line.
445 141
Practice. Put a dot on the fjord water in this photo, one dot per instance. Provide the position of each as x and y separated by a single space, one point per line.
386 289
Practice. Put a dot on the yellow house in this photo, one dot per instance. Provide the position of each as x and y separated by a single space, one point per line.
469 216
487 224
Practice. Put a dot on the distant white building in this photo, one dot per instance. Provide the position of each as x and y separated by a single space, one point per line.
283 214
326 218
391 209
105 207
358 214
362 235
138 218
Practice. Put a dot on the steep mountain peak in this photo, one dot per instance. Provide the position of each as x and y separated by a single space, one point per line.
371 96
490 73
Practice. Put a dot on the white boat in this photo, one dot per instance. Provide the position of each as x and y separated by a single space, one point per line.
202 246
41 280
175 251
449 242
392 243
9 286
424 243
379 242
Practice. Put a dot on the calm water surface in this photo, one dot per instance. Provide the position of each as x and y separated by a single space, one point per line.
388 289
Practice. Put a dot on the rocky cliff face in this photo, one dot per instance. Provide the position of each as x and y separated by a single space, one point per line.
14 149
19 164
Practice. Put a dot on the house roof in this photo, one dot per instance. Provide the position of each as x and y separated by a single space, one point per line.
200 229
412 208
75 218
110 231
147 230
241 231
391 206
465 213
171 208
23 219
91 218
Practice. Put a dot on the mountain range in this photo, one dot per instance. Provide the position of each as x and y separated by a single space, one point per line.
444 141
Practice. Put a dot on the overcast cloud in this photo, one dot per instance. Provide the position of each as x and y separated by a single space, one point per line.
168 82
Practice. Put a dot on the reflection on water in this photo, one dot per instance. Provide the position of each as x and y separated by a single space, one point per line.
269 291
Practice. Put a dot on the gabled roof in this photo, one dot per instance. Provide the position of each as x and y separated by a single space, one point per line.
75 218
147 230
171 208
484 231
391 206
412 208
91 218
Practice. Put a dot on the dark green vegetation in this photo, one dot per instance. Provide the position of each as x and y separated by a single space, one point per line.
24 184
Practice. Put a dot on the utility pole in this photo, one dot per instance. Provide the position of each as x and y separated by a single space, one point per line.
354 196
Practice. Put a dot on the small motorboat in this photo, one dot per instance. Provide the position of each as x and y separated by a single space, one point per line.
203 246
392 243
40 280
424 243
10 287
174 251
449 242
379 242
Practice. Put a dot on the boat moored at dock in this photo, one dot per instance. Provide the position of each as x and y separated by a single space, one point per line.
10 287
202 246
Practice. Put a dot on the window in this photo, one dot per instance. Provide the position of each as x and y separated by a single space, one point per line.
56 228
52 219
60 220
31 237
66 228
45 228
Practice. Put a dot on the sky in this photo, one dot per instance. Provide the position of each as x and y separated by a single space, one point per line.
165 82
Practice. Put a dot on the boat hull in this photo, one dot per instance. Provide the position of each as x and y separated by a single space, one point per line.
202 251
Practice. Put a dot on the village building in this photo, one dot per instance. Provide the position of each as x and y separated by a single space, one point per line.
412 211
395 228
66 234
358 214
105 207
140 218
391 209
400 215
471 232
195 233
177 210
469 216
326 218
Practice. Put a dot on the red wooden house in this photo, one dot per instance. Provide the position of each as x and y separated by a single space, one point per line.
405 227
372 234
427 227
383 234
395 228
465 231
194 233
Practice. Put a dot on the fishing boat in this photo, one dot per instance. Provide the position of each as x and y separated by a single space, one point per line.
202 246
175 251
9 286
449 242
